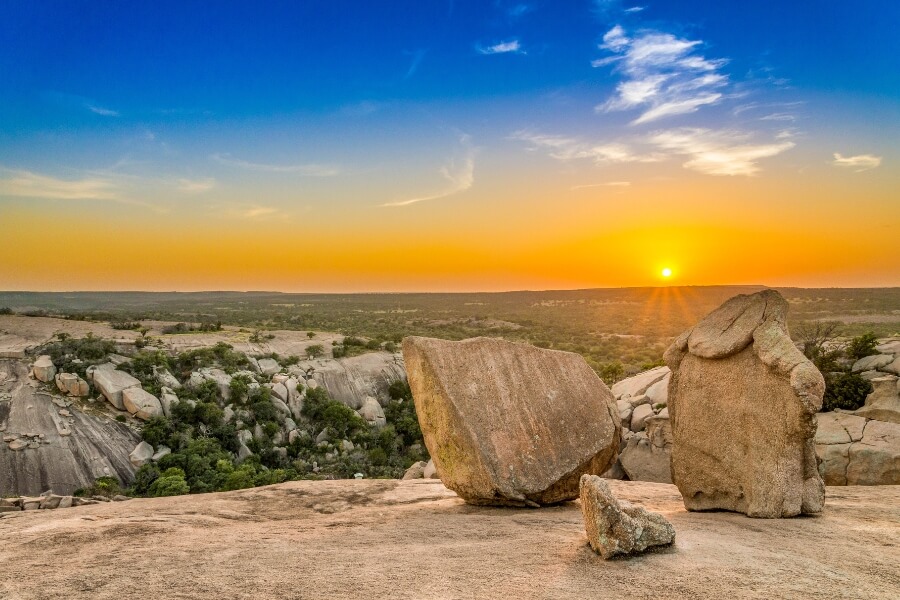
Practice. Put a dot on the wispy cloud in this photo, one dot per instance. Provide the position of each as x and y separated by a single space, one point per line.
635 9
567 148
663 75
459 174
307 170
718 152
610 184
27 184
860 162
99 110
502 48
250 211
196 186
417 57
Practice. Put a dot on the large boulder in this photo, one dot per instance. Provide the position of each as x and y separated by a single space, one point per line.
883 404
142 454
510 424
638 384
141 404
112 382
372 412
869 363
44 369
615 527
743 401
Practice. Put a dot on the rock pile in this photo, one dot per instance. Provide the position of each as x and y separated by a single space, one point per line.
510 424
616 527
72 384
743 401
51 501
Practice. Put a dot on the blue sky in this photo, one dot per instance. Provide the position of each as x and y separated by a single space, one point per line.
281 111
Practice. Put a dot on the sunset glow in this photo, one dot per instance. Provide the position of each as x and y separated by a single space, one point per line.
447 147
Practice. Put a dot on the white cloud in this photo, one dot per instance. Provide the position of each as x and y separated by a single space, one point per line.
635 9
564 148
27 184
860 162
502 48
307 170
718 152
99 110
460 175
663 74
196 186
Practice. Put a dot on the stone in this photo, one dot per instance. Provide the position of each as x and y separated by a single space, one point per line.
416 471
244 436
50 502
638 384
167 399
111 383
44 369
430 471
743 402
616 527
280 391
894 367
141 454
625 409
658 393
870 375
507 423
347 446
221 379
639 415
120 498
293 435
243 452
322 437
141 404
268 366
889 347
282 407
118 359
875 459
228 413
875 361
293 389
160 452
166 379
647 455
289 425
72 384
883 404
18 445
372 412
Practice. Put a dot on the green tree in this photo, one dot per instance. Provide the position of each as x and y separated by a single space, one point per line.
315 351
862 346
170 483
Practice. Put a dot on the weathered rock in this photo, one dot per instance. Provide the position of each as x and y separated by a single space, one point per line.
17 444
743 401
876 361
372 412
875 459
894 367
430 471
416 471
112 382
141 404
508 423
44 369
220 378
647 455
347 446
166 379
280 391
625 409
638 384
883 404
72 384
268 366
639 415
167 399
141 454
658 393
616 528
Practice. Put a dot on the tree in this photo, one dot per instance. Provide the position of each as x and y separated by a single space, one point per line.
310 334
818 341
315 351
862 346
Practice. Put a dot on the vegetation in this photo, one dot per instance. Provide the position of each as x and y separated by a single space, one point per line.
72 355
191 328
821 344
125 325
5 310
107 487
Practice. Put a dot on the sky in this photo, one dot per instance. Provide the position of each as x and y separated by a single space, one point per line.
448 146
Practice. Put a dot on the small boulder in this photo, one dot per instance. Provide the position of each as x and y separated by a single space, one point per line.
372 412
876 361
616 527
883 404
141 454
640 415
141 404
430 471
416 471
44 369
268 366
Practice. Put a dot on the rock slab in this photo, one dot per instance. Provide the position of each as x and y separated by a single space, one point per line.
617 528
743 401
510 424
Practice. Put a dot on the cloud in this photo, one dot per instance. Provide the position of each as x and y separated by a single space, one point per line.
99 110
417 57
251 211
612 184
565 148
717 152
459 173
662 74
196 186
860 162
27 184
635 9
503 48
307 170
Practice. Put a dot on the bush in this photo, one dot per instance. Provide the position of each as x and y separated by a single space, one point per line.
862 346
5 310
104 486
611 372
315 351
170 483
125 325
89 350
846 391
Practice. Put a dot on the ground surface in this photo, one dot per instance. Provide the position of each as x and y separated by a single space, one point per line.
415 539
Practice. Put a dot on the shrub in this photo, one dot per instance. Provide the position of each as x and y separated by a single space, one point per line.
170 483
846 391
125 325
862 346
309 334
611 372
315 351
5 310
120 418
103 486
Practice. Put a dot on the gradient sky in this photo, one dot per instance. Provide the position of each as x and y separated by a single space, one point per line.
448 146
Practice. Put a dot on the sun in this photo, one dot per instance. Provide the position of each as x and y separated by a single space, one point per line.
667 272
